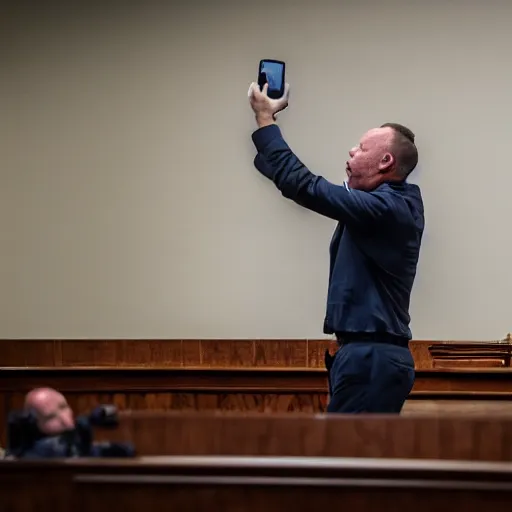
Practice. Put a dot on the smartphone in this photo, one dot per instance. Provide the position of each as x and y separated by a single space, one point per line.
272 72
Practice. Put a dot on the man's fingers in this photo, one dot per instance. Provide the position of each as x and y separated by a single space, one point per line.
286 94
252 88
282 102
265 89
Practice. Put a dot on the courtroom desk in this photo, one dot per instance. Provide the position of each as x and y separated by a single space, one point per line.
483 438
265 390
254 484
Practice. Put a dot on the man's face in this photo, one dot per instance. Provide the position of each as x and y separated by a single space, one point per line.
371 160
54 415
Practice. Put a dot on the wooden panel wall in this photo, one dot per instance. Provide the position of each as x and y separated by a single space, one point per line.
233 353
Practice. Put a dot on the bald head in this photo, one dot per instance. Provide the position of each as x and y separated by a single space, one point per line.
51 409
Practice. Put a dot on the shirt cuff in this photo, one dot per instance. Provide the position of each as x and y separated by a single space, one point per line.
263 136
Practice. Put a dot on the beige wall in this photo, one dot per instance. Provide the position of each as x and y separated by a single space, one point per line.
129 204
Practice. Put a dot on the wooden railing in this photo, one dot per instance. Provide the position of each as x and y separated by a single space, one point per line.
455 437
255 484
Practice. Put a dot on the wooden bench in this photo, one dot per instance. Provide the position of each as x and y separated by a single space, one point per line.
255 484
442 437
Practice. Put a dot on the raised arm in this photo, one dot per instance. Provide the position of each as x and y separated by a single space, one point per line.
277 162
303 200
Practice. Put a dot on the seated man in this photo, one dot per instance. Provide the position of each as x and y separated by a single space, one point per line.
46 428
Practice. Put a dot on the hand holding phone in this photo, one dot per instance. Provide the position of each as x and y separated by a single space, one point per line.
270 94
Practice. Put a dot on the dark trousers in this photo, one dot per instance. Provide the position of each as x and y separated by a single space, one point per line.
370 377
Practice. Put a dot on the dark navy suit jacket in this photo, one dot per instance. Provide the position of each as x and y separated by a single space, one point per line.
374 250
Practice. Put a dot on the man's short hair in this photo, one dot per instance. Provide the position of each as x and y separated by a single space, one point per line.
404 149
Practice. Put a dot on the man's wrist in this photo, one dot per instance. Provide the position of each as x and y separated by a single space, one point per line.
263 120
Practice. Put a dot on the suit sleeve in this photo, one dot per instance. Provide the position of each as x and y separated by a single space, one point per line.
277 162
302 199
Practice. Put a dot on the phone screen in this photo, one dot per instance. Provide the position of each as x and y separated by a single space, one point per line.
272 71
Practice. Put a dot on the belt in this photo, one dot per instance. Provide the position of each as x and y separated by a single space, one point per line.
373 337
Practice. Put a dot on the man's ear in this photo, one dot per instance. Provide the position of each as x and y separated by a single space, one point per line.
387 162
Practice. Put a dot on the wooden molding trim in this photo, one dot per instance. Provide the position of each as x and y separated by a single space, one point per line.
492 383
257 483
242 353
464 354
375 471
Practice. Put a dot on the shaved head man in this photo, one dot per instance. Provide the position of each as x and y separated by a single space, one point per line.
374 253
383 154
51 410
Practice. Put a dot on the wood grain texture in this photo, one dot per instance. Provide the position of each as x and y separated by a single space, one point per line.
255 484
476 354
233 375
232 353
200 389
449 437
262 390
437 382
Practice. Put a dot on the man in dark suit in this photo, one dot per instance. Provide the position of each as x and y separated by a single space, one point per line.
373 254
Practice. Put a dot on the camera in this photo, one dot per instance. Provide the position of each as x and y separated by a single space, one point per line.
26 441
